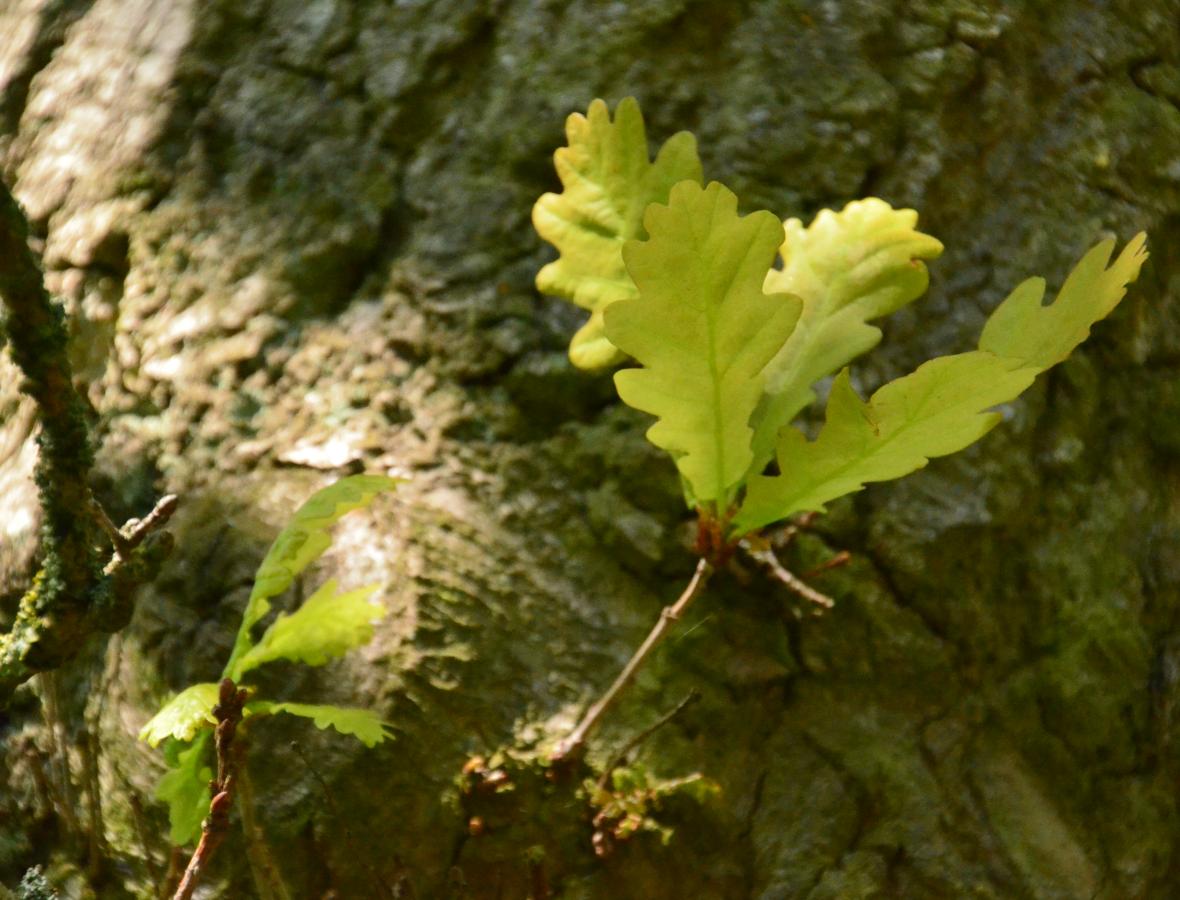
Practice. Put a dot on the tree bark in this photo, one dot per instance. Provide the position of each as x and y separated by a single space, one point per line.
293 238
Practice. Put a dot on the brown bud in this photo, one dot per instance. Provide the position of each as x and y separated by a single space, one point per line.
475 765
219 807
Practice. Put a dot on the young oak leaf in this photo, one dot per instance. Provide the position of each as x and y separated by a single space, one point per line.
182 716
848 267
1022 328
608 181
185 788
703 331
938 409
327 625
363 724
300 544
942 406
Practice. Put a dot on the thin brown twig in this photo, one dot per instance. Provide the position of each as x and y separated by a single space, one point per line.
135 531
840 559
617 760
576 741
782 538
788 578
110 529
228 713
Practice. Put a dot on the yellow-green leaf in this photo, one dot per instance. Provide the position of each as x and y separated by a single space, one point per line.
608 180
327 625
848 267
185 789
703 331
364 724
300 544
941 407
1043 335
182 716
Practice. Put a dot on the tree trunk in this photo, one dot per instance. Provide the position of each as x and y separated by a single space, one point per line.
294 240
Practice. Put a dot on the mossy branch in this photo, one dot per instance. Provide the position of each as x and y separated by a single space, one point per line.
75 594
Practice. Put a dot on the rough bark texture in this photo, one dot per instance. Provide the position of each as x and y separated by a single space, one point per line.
294 239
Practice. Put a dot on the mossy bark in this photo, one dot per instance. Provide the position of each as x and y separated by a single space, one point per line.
294 240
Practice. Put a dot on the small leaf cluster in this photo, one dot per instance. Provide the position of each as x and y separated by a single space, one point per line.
327 625
731 320
627 804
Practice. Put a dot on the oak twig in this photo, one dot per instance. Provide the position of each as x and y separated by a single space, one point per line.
617 760
786 577
110 529
576 741
840 559
228 713
136 530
